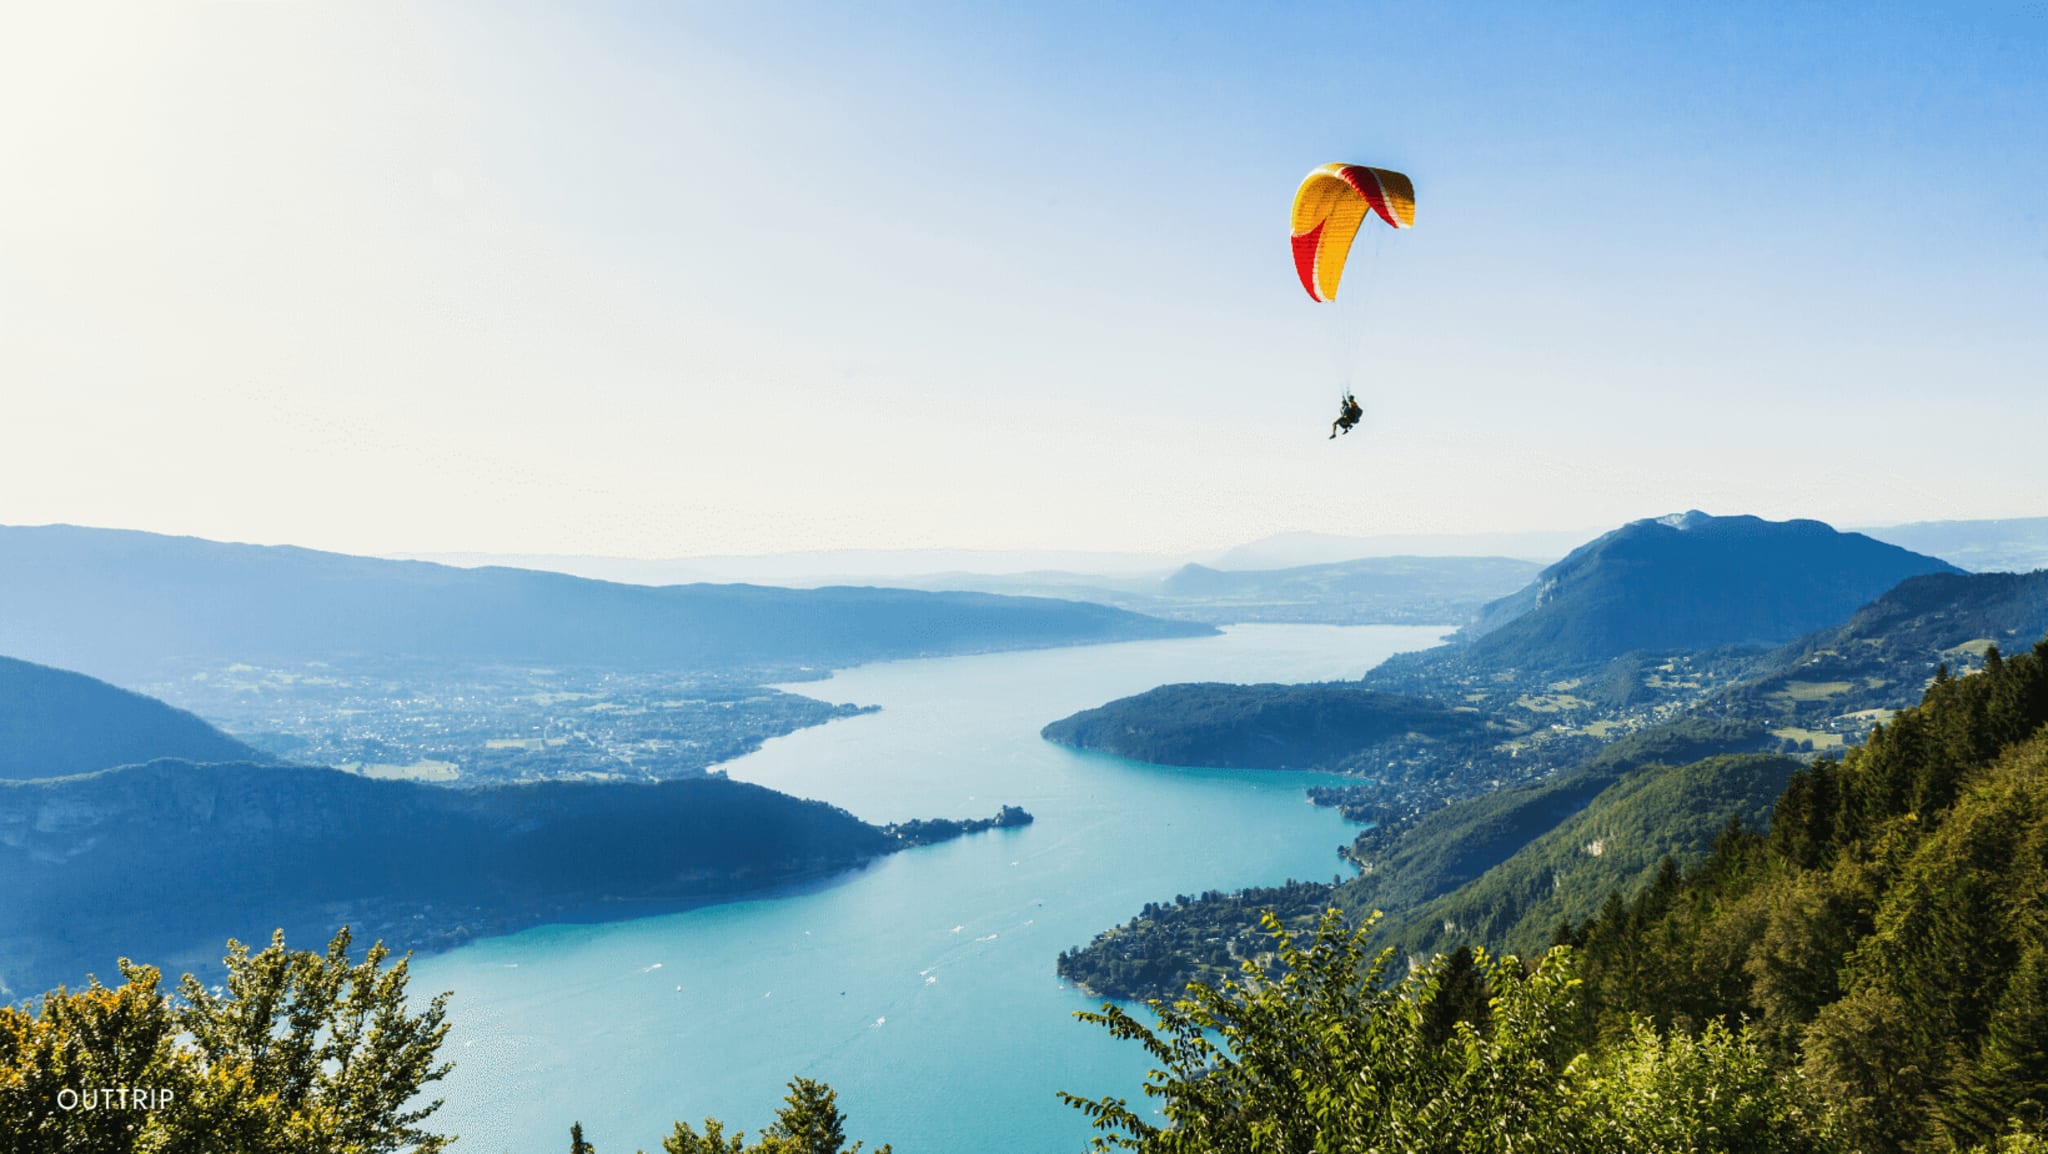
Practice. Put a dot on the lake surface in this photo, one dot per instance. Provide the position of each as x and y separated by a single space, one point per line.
922 988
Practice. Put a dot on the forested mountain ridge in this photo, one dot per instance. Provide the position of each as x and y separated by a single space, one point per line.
54 723
1409 861
1839 680
1617 840
118 604
1888 934
170 858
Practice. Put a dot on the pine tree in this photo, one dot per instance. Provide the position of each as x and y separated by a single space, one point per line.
810 1118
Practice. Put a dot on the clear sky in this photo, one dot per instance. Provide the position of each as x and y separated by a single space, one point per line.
659 280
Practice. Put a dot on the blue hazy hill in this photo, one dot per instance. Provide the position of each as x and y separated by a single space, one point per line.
1689 581
168 859
117 604
54 723
1326 726
2008 545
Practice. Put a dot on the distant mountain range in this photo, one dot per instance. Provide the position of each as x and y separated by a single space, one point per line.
119 604
1371 591
54 723
813 568
2013 545
1290 550
916 568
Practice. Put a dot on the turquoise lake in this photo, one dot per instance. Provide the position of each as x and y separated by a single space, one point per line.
922 987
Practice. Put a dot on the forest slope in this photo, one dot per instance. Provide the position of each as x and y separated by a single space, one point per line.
1889 935
1326 726
54 723
1617 842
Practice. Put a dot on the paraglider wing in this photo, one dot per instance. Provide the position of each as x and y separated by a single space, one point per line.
1329 208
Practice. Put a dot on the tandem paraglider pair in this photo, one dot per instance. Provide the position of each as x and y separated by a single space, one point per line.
1330 207
1348 413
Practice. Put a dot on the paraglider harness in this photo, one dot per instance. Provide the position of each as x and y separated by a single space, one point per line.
1348 414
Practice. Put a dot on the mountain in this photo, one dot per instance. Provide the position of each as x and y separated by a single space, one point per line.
2015 545
166 860
1689 581
1373 591
1260 726
893 567
118 604
1290 550
55 723
1630 629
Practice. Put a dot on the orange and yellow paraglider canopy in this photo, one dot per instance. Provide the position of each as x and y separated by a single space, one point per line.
1329 208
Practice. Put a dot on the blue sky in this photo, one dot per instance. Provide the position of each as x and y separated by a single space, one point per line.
658 280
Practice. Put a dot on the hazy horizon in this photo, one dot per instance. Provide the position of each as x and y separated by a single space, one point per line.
1278 551
729 281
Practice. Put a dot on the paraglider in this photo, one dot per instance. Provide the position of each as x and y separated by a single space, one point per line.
1332 204
1348 413
1330 207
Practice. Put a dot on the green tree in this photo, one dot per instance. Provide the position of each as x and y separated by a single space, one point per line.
298 1051
1318 1053
333 1045
71 1044
684 1140
809 1122
1678 1093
